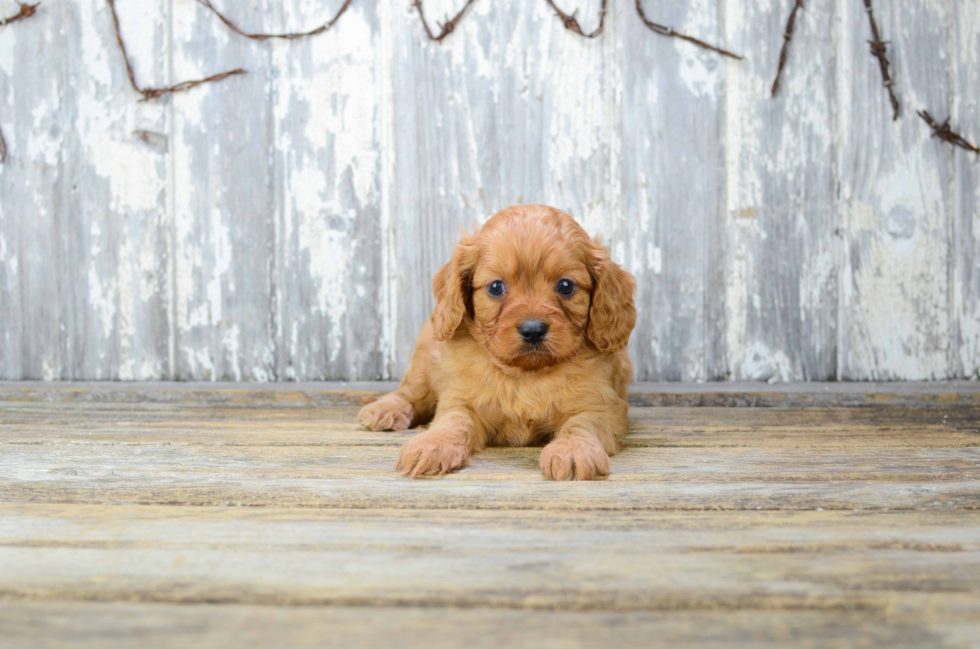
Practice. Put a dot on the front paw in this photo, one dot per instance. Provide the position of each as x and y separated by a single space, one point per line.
390 412
573 458
431 453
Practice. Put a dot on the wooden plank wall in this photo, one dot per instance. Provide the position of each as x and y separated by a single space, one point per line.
284 225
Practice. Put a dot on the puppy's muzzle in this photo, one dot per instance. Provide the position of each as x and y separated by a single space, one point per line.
533 331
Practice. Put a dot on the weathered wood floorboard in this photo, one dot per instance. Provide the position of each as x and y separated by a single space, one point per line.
611 561
120 523
332 393
88 624
89 465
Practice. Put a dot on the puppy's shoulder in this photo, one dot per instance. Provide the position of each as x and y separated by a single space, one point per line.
461 359
594 377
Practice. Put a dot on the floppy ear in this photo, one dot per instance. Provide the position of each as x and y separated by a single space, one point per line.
612 313
452 289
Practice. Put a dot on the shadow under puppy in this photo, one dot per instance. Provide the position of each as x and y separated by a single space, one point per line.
526 345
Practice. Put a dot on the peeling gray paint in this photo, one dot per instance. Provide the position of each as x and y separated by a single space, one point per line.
285 225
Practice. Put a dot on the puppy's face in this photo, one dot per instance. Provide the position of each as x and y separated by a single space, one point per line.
534 289
531 293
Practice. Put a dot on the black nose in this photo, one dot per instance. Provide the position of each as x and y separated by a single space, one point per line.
533 331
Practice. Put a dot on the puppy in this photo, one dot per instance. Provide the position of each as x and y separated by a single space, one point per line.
526 345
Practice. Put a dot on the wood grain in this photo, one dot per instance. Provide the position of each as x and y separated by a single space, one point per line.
34 190
513 108
223 204
781 314
328 123
319 394
966 224
771 459
674 188
189 465
441 154
844 430
99 625
484 560
117 167
285 224
896 209
179 521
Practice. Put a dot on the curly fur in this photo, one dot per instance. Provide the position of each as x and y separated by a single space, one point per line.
481 384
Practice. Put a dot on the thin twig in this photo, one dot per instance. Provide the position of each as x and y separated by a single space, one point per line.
571 23
26 11
879 51
787 37
663 30
446 28
945 133
153 93
261 37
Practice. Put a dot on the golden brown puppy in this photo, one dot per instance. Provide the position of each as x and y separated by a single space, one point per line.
526 345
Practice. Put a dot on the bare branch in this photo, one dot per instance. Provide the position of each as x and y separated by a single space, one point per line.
262 37
787 37
945 133
26 11
153 93
879 51
571 23
446 28
663 30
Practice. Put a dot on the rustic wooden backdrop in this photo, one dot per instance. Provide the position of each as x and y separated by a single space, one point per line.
284 225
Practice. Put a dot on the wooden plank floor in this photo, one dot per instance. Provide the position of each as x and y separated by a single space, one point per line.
207 517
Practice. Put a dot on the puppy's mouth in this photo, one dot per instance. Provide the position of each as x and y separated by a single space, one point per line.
528 355
536 349
534 356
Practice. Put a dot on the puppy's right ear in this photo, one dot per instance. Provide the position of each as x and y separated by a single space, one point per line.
452 287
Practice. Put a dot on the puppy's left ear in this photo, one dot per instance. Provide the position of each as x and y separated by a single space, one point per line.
612 314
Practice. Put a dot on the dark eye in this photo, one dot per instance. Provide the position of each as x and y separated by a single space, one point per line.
496 288
565 287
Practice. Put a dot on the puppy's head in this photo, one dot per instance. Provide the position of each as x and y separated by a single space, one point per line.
533 288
